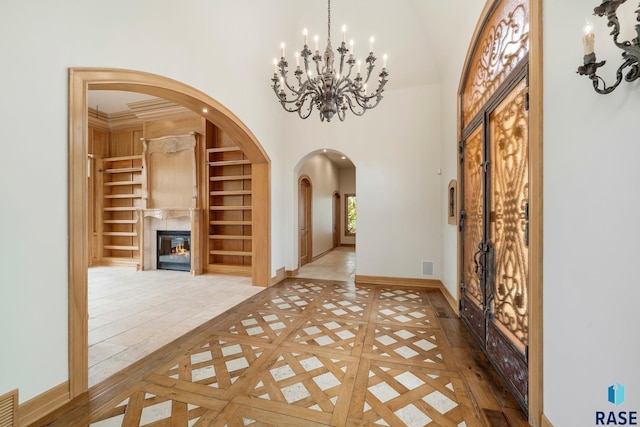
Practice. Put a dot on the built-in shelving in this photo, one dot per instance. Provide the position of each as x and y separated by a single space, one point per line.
121 201
229 243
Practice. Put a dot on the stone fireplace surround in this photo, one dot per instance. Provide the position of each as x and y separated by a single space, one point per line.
170 166
164 220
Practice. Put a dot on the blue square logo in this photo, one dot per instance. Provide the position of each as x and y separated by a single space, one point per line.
616 394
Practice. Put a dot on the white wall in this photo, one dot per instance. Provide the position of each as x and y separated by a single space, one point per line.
193 42
325 180
396 151
450 61
591 252
347 186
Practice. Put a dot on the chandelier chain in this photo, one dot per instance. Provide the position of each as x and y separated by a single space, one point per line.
329 22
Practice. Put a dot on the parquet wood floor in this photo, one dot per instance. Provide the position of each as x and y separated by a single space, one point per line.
310 352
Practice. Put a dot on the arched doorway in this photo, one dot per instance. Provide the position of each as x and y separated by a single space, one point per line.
80 81
332 176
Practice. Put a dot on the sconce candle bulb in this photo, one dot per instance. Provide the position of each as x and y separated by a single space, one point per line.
630 49
588 40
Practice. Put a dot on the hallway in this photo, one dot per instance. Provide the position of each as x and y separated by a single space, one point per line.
316 353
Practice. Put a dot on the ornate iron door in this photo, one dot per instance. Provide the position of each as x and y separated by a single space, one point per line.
495 271
472 227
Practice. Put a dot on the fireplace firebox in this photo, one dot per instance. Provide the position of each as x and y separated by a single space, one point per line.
174 250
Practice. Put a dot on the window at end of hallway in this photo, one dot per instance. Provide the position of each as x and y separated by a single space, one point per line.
350 217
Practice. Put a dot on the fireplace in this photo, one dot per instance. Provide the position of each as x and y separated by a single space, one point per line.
174 250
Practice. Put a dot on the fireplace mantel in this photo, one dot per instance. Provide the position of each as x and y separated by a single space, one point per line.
165 213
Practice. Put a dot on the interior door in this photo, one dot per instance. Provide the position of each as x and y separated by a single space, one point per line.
304 221
495 272
336 220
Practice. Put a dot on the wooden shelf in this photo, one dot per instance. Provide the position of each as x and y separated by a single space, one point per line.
120 233
230 208
119 221
123 196
229 237
230 178
230 162
231 193
122 158
118 183
122 170
120 209
230 253
231 222
121 247
223 149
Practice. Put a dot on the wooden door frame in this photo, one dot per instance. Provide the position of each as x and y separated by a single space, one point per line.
81 80
309 219
536 384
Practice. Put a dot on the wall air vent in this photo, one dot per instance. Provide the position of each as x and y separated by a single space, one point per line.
427 268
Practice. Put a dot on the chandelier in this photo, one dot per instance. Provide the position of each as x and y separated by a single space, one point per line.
331 90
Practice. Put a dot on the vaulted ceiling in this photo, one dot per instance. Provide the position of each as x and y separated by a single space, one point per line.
426 40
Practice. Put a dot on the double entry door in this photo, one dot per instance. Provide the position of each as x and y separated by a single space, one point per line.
494 223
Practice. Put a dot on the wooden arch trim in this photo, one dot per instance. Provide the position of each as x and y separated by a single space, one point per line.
81 80
536 384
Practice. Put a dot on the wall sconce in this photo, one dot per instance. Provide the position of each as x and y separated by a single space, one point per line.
630 54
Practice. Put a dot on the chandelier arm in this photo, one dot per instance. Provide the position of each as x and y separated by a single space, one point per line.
364 101
309 108
305 55
350 62
353 109
370 60
291 88
619 75
284 101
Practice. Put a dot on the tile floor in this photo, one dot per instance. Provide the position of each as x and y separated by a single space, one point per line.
133 313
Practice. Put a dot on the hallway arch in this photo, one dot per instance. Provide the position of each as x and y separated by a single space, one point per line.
328 171
81 80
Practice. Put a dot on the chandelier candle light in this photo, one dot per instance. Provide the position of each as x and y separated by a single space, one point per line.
331 90
630 49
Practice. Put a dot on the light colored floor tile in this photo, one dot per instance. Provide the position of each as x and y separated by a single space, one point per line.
133 313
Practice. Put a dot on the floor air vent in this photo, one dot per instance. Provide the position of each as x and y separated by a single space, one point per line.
9 409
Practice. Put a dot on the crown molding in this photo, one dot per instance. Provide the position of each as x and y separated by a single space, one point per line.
138 113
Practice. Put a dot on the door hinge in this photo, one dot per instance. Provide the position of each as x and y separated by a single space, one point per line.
526 224
461 151
463 216
526 101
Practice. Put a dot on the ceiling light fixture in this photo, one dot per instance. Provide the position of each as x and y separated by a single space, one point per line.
332 91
